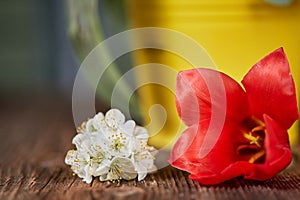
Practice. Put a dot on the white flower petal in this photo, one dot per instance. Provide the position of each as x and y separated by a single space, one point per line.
70 157
77 140
87 177
141 169
103 177
90 126
128 128
144 163
121 168
141 175
101 170
129 175
141 133
99 121
114 118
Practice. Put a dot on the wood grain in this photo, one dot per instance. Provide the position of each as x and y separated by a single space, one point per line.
35 136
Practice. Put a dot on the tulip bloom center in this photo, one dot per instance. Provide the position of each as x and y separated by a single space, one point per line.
252 146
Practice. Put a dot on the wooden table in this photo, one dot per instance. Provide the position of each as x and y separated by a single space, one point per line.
36 134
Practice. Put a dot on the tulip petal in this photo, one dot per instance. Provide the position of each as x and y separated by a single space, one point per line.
202 94
236 169
270 88
278 153
201 91
278 157
219 164
179 157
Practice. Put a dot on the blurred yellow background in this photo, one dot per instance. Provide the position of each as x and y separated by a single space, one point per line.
236 34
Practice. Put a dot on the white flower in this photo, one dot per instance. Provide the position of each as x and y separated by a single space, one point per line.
90 158
111 148
143 155
120 168
143 163
138 139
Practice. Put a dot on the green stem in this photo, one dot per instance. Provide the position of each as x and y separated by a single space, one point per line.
86 32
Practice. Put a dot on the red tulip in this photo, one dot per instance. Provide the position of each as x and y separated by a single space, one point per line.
234 131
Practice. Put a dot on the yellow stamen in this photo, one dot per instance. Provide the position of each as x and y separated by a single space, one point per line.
81 128
258 128
256 156
253 140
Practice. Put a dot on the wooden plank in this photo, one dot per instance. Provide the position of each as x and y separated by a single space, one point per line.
35 137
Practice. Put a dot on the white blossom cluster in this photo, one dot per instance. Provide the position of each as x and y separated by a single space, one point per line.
111 148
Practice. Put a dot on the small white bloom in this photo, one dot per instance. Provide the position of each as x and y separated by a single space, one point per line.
114 118
111 148
120 168
98 121
143 159
138 139
90 156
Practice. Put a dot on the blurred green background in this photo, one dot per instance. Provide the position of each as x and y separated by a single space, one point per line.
36 54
